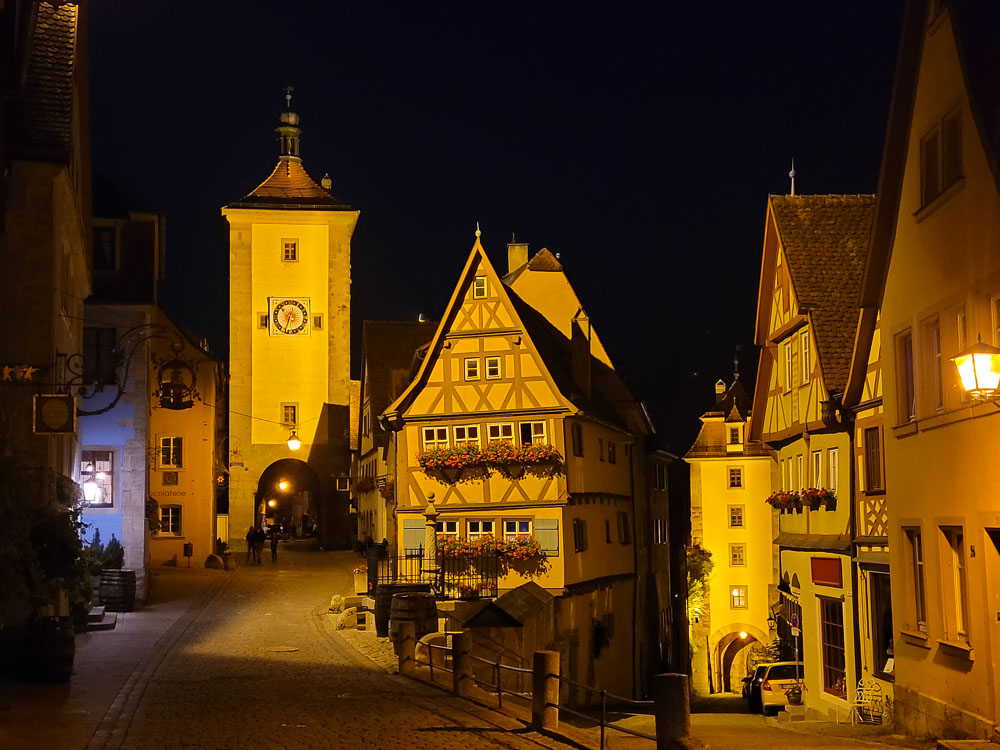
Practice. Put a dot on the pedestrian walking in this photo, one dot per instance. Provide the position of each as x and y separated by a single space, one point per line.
274 546
258 545
251 540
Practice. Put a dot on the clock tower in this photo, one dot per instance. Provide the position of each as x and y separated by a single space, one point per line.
289 350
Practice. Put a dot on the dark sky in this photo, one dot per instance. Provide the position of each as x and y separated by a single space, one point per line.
639 141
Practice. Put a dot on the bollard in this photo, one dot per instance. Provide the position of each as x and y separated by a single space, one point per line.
461 664
545 690
672 709
407 644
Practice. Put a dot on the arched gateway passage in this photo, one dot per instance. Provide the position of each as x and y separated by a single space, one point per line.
288 498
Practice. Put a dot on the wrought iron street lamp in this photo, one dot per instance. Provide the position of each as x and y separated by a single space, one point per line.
293 441
979 369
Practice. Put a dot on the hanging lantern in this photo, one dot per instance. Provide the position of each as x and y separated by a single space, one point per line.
293 441
177 379
979 369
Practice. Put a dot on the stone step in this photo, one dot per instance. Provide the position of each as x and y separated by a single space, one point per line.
792 714
107 622
96 614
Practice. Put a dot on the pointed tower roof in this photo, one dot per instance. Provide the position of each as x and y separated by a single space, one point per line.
289 186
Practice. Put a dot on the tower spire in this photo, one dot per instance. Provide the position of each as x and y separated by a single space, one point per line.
288 130
791 176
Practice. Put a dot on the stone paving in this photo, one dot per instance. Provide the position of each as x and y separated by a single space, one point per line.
252 659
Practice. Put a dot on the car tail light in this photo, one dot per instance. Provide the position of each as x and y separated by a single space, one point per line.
766 686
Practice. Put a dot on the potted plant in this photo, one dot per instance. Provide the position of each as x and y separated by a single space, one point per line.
361 579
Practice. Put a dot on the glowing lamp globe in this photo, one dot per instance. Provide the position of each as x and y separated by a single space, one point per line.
293 442
979 369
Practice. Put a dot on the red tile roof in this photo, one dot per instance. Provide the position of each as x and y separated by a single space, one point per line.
825 239
290 186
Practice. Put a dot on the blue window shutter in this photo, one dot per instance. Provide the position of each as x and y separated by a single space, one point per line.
547 535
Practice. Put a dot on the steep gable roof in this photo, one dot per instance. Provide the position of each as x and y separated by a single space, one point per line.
825 241
388 351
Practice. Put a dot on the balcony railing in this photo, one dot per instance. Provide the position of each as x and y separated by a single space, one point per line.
451 576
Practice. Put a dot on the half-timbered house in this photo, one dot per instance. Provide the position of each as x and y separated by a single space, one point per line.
515 365
807 312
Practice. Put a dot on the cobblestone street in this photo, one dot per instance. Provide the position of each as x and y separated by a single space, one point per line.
250 659
244 659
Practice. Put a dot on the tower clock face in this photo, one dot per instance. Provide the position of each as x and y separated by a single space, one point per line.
289 316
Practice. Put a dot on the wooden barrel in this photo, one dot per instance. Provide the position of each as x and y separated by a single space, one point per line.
420 609
383 602
49 648
118 590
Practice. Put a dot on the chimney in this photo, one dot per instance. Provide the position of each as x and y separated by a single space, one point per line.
517 254
580 348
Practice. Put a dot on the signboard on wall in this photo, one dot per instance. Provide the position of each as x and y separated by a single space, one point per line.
827 571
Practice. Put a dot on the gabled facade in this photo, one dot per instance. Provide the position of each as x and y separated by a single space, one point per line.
814 251
730 474
289 329
935 269
514 360
389 356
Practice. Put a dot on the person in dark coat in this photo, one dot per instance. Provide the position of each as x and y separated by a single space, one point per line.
251 538
274 546
258 544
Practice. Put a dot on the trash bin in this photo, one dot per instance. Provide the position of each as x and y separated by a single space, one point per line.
188 549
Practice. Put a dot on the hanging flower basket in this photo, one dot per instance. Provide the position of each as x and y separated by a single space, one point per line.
785 501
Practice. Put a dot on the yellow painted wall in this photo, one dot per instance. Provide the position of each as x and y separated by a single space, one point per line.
944 261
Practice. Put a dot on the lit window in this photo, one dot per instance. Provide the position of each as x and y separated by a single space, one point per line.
532 433
735 477
472 368
492 368
467 435
503 432
737 554
479 288
170 520
171 453
477 529
289 250
97 478
435 437
736 516
738 597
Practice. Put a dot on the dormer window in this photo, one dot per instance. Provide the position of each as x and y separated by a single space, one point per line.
734 435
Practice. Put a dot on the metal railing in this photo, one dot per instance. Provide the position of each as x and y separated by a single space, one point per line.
450 576
497 666
603 721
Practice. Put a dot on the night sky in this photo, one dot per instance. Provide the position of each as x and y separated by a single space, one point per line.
640 143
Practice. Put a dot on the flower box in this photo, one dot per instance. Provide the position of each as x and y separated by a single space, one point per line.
449 464
812 498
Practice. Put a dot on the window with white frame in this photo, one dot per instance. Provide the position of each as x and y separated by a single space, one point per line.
734 436
915 585
659 531
170 520
515 527
532 433
467 434
833 464
435 437
477 529
171 453
500 431
804 356
785 483
479 287
788 364
446 527
800 471
472 368
738 597
97 475
737 555
817 468
493 368
955 586
932 340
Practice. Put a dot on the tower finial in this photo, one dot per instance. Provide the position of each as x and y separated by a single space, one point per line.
791 176
478 233
288 131
288 96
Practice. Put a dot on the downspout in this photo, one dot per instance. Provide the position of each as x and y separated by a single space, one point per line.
637 685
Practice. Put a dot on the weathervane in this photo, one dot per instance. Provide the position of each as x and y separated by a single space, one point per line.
288 96
478 233
791 176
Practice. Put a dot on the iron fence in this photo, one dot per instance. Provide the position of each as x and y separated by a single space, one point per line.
450 575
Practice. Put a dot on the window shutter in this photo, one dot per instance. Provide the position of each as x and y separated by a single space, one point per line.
413 534
547 535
